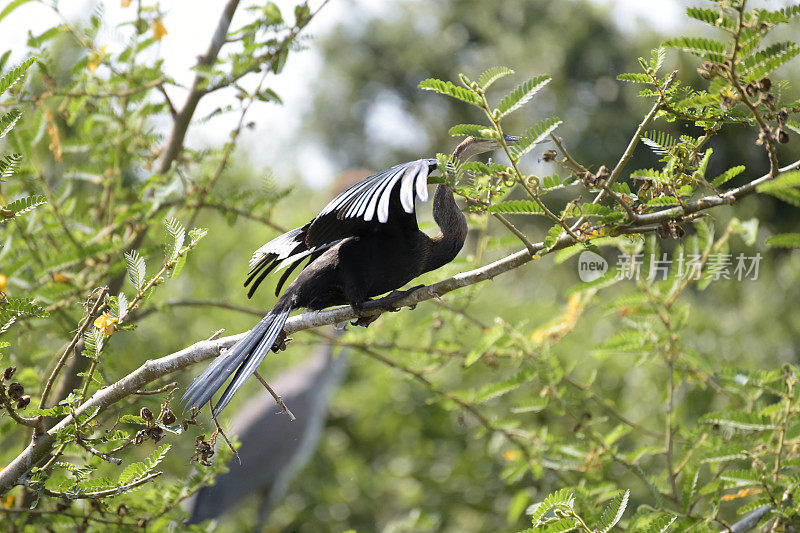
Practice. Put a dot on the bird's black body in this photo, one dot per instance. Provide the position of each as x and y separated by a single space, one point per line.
352 257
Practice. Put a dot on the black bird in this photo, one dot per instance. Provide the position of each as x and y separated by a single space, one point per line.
365 242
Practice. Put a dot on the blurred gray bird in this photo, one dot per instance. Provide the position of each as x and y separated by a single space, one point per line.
273 447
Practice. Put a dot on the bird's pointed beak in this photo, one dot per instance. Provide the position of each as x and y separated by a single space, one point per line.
511 139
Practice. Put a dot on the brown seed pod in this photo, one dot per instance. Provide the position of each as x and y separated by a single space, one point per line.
169 417
602 175
146 413
23 402
15 391
782 117
765 84
783 136
9 372
751 90
707 70
122 510
156 433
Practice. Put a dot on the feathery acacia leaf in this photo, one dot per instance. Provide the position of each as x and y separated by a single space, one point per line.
785 240
770 59
22 206
784 187
613 512
178 233
9 165
450 89
137 471
8 120
712 17
563 498
727 175
635 77
534 136
14 74
709 49
472 130
521 95
488 77
136 269
13 308
520 207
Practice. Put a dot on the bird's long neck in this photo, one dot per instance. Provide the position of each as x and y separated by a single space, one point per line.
453 229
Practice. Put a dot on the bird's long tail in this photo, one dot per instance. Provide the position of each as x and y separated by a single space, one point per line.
241 360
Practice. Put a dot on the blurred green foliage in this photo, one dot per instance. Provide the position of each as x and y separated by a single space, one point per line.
578 374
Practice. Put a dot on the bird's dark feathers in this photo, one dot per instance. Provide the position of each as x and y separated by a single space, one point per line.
372 201
364 243
360 208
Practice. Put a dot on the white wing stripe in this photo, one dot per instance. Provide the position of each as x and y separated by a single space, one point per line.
372 196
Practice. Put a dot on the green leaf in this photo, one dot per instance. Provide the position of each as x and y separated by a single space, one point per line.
14 4
659 141
661 524
14 308
9 165
521 95
178 234
712 17
613 512
450 89
473 130
490 338
635 77
8 120
552 238
133 419
784 187
700 46
769 59
785 240
137 269
23 205
739 420
501 388
58 410
136 471
562 498
534 136
519 207
16 73
492 75
663 201
727 175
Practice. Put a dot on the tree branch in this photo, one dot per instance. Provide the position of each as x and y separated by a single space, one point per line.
203 350
184 116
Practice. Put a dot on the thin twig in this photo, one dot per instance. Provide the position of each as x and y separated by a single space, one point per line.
98 305
94 451
220 432
278 399
165 388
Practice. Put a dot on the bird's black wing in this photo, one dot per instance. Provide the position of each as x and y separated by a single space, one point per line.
387 196
287 250
390 194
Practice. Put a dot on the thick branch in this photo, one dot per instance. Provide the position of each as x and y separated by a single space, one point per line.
184 116
201 351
